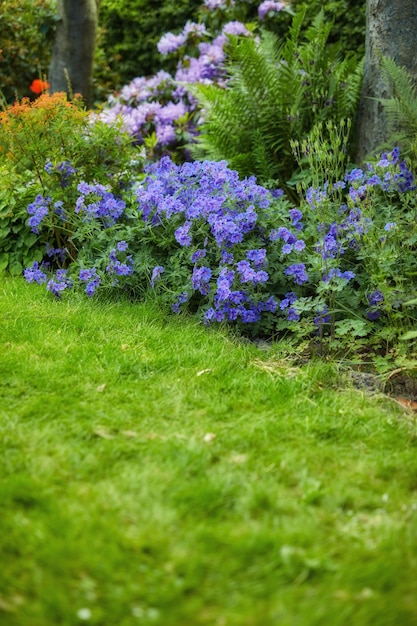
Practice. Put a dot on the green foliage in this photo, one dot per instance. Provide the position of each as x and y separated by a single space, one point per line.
50 130
18 246
26 34
278 91
347 16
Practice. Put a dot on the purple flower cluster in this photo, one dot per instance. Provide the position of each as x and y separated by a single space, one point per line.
286 305
291 242
375 299
298 273
212 5
270 7
117 266
34 274
181 299
156 104
92 279
97 202
59 283
209 198
38 210
64 169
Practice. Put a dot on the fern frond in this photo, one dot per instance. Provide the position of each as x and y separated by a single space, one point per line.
401 108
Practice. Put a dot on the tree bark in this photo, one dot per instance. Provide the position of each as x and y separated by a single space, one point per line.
71 68
391 31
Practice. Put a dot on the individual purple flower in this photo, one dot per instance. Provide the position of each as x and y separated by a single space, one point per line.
122 246
292 315
224 284
227 257
250 316
181 299
358 194
197 255
315 196
298 272
337 273
389 159
59 253
288 300
299 245
270 305
296 216
373 180
260 277
246 272
156 274
287 248
355 175
118 267
390 226
373 315
376 297
59 210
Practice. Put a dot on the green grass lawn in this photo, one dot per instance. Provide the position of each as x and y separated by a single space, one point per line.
155 472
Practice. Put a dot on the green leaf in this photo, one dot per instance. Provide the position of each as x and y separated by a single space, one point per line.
354 327
4 232
15 268
411 334
4 261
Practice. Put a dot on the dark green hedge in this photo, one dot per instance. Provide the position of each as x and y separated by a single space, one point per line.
26 35
131 30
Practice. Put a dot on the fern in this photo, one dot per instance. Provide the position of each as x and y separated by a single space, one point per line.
277 90
401 108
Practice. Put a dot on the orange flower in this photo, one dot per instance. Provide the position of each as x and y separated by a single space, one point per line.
38 86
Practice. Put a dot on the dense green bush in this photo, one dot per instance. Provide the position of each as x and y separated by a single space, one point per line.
347 17
26 34
131 30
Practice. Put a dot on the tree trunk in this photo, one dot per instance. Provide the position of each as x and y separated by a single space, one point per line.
71 68
391 31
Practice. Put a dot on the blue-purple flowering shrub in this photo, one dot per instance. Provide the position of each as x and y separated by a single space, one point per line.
228 250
